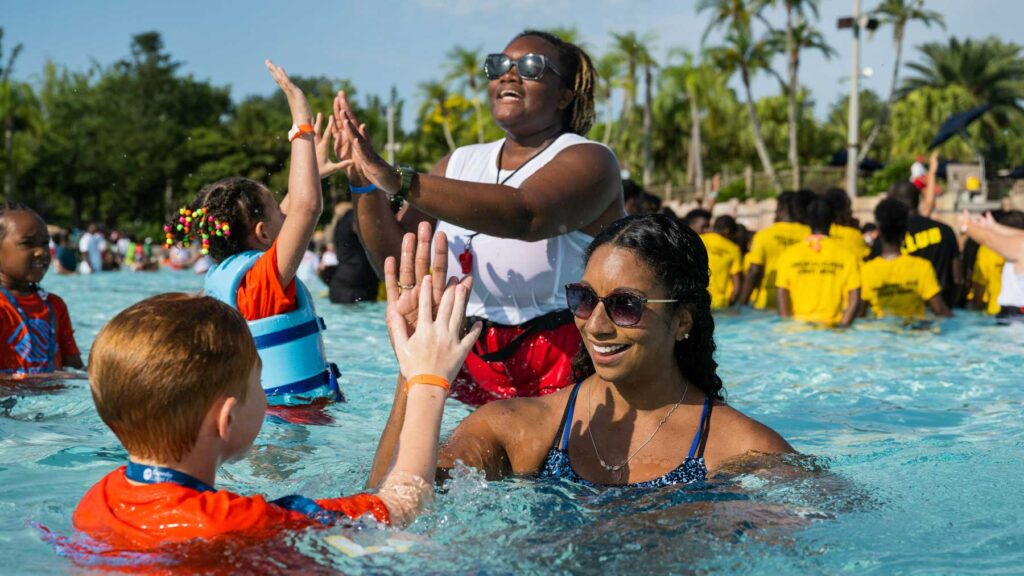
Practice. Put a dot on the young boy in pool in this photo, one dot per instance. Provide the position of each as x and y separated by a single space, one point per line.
35 329
177 378
258 251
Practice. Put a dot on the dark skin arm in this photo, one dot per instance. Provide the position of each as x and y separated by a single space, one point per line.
852 307
784 303
580 190
938 306
750 281
977 298
737 286
73 361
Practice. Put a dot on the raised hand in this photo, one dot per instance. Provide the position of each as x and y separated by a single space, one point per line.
323 147
355 143
301 114
403 281
435 347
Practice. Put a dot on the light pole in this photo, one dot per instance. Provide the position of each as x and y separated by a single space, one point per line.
856 22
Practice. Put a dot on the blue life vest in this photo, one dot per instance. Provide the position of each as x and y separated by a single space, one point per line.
295 369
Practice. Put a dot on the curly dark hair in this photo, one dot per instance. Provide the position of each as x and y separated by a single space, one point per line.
10 206
236 201
676 255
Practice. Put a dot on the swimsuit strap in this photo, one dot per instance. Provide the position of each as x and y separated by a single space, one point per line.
52 350
701 438
562 439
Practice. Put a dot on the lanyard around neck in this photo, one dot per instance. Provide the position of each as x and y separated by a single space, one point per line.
497 177
157 474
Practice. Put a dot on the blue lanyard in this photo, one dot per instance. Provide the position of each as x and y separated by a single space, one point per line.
52 351
157 474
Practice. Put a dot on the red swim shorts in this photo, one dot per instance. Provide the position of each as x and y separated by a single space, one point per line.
538 363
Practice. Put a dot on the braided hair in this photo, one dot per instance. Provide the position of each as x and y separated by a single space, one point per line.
8 207
227 205
581 114
677 256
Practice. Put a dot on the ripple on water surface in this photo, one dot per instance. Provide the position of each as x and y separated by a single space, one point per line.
917 439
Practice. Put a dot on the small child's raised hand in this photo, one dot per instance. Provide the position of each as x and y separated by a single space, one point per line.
301 113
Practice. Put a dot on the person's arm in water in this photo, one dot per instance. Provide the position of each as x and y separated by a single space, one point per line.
304 201
977 297
582 189
852 306
737 287
750 280
784 303
73 361
938 306
434 349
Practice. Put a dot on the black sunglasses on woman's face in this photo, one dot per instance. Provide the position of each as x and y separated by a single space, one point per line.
623 308
529 66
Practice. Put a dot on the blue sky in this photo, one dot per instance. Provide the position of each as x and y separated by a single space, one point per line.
381 43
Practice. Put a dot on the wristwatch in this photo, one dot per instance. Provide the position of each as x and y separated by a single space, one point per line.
407 173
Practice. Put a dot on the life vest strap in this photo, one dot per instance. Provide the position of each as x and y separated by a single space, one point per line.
328 377
287 335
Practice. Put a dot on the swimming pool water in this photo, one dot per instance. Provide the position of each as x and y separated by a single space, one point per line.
918 440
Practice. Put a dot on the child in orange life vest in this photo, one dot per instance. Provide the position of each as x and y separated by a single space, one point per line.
258 251
35 329
177 378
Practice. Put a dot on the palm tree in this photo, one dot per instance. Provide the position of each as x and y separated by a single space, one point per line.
898 13
741 52
436 104
988 69
466 66
608 68
635 53
695 80
798 35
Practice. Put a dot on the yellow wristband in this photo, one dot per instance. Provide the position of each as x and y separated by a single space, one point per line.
429 380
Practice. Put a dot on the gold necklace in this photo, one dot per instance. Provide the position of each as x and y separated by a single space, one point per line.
621 465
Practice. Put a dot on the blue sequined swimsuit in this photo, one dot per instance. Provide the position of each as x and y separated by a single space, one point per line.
557 464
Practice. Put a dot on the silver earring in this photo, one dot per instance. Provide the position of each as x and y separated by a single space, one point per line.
686 336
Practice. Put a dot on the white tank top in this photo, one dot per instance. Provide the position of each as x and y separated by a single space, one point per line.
1012 291
513 281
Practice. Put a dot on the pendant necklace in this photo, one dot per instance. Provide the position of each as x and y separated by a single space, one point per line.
466 257
590 431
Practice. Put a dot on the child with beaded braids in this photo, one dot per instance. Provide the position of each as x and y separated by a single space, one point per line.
257 251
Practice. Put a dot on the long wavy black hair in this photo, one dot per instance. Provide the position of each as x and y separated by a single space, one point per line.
677 256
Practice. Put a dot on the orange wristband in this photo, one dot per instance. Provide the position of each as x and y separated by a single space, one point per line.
299 130
429 380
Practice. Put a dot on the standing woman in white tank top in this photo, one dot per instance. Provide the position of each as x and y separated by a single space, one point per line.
517 213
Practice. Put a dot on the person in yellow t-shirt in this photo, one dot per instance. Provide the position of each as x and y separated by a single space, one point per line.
987 278
897 284
725 263
765 249
815 275
844 228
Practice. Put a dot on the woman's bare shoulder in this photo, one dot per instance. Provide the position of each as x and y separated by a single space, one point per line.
733 433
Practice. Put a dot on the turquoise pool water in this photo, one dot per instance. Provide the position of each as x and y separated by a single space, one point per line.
918 440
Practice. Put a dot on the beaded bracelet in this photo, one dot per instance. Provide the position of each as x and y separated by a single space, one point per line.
429 380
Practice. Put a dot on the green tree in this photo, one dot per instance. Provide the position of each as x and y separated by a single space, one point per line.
799 35
19 110
741 52
989 69
608 68
466 66
897 13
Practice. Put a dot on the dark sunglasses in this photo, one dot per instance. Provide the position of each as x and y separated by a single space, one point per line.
529 66
623 308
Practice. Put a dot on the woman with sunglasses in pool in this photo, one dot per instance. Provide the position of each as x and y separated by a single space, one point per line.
517 212
647 409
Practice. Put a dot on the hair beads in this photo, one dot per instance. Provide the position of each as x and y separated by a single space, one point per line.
196 224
